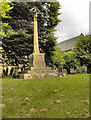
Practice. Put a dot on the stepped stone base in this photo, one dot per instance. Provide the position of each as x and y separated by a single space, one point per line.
38 68
38 73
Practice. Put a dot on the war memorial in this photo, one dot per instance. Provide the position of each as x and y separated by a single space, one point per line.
36 59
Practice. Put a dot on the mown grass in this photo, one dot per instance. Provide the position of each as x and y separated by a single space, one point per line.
72 91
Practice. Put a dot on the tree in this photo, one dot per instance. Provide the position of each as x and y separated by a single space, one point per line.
57 58
65 60
83 51
18 47
70 60
6 29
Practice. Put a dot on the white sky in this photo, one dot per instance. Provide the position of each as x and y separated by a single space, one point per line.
75 19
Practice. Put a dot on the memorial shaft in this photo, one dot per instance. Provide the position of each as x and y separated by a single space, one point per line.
36 44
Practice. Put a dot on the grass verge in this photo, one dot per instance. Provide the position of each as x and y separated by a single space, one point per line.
66 97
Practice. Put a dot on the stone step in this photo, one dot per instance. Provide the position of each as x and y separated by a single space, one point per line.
38 75
39 70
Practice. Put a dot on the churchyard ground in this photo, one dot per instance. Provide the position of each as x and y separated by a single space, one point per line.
66 97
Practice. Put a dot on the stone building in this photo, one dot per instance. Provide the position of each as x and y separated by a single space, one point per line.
67 45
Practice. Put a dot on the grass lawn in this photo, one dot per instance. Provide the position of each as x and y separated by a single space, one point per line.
36 98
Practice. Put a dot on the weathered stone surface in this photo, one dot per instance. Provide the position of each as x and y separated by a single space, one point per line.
84 70
38 74
37 60
72 70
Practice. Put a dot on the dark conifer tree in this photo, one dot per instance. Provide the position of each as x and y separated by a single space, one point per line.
19 46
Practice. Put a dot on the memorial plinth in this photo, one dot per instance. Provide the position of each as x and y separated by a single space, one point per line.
37 60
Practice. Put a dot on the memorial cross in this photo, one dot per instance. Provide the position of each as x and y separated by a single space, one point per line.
36 44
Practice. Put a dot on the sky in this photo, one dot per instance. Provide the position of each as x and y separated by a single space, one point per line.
75 19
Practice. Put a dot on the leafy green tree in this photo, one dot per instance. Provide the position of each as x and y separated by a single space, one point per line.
65 60
52 20
83 51
57 58
6 29
70 60
18 47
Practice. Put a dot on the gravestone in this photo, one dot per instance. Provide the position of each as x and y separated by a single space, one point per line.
84 70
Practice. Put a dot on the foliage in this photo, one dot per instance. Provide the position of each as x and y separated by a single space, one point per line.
65 60
83 51
6 28
70 60
19 46
5 8
58 57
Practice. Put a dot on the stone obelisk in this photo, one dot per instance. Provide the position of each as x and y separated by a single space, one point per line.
37 59
36 45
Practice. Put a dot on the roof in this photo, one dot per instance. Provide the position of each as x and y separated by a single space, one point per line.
68 44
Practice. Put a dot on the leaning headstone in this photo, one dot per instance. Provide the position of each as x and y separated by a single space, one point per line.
9 68
72 70
84 70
